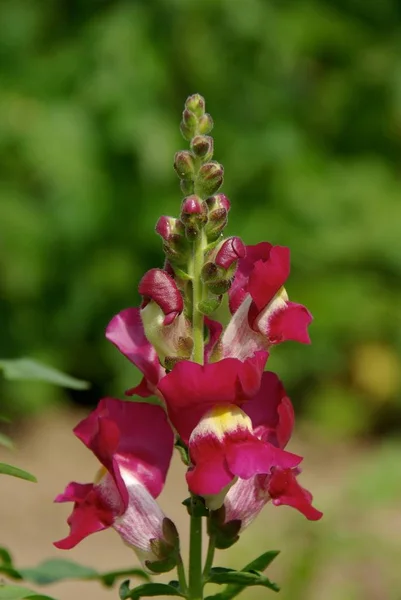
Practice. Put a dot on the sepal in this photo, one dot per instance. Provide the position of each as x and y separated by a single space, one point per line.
224 534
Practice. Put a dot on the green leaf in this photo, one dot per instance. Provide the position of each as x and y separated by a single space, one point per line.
148 589
26 368
262 562
16 592
56 569
241 578
6 441
233 589
108 579
15 472
59 569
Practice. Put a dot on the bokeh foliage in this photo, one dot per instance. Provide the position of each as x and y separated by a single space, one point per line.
306 97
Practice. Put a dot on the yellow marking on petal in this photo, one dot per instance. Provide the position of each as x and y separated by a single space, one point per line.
222 419
100 474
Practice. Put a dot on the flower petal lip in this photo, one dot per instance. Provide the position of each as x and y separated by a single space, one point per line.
289 323
159 286
126 332
133 435
190 389
284 488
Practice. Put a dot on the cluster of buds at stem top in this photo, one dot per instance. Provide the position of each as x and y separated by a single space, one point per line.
199 174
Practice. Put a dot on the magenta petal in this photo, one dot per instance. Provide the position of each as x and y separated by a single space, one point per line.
126 332
190 390
132 434
269 276
209 477
290 323
255 457
74 492
271 411
89 515
285 489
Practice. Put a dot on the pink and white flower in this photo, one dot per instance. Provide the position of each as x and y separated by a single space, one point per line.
262 313
134 444
211 407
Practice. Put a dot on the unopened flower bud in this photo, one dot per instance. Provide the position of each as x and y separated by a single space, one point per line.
230 251
189 124
202 146
215 278
169 226
218 202
175 245
205 124
193 215
159 286
196 104
210 178
184 164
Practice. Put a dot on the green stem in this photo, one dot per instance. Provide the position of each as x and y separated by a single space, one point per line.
181 575
197 296
195 544
195 559
209 556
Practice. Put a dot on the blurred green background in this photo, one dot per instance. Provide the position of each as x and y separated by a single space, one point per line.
306 98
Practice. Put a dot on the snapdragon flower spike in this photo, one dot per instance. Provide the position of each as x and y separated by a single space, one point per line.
134 444
262 313
126 332
272 418
165 325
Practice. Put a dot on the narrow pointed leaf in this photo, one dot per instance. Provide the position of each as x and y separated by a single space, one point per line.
15 472
26 368
148 589
242 579
58 569
262 562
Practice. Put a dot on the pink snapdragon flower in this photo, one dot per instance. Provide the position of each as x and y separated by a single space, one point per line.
211 407
134 444
262 313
